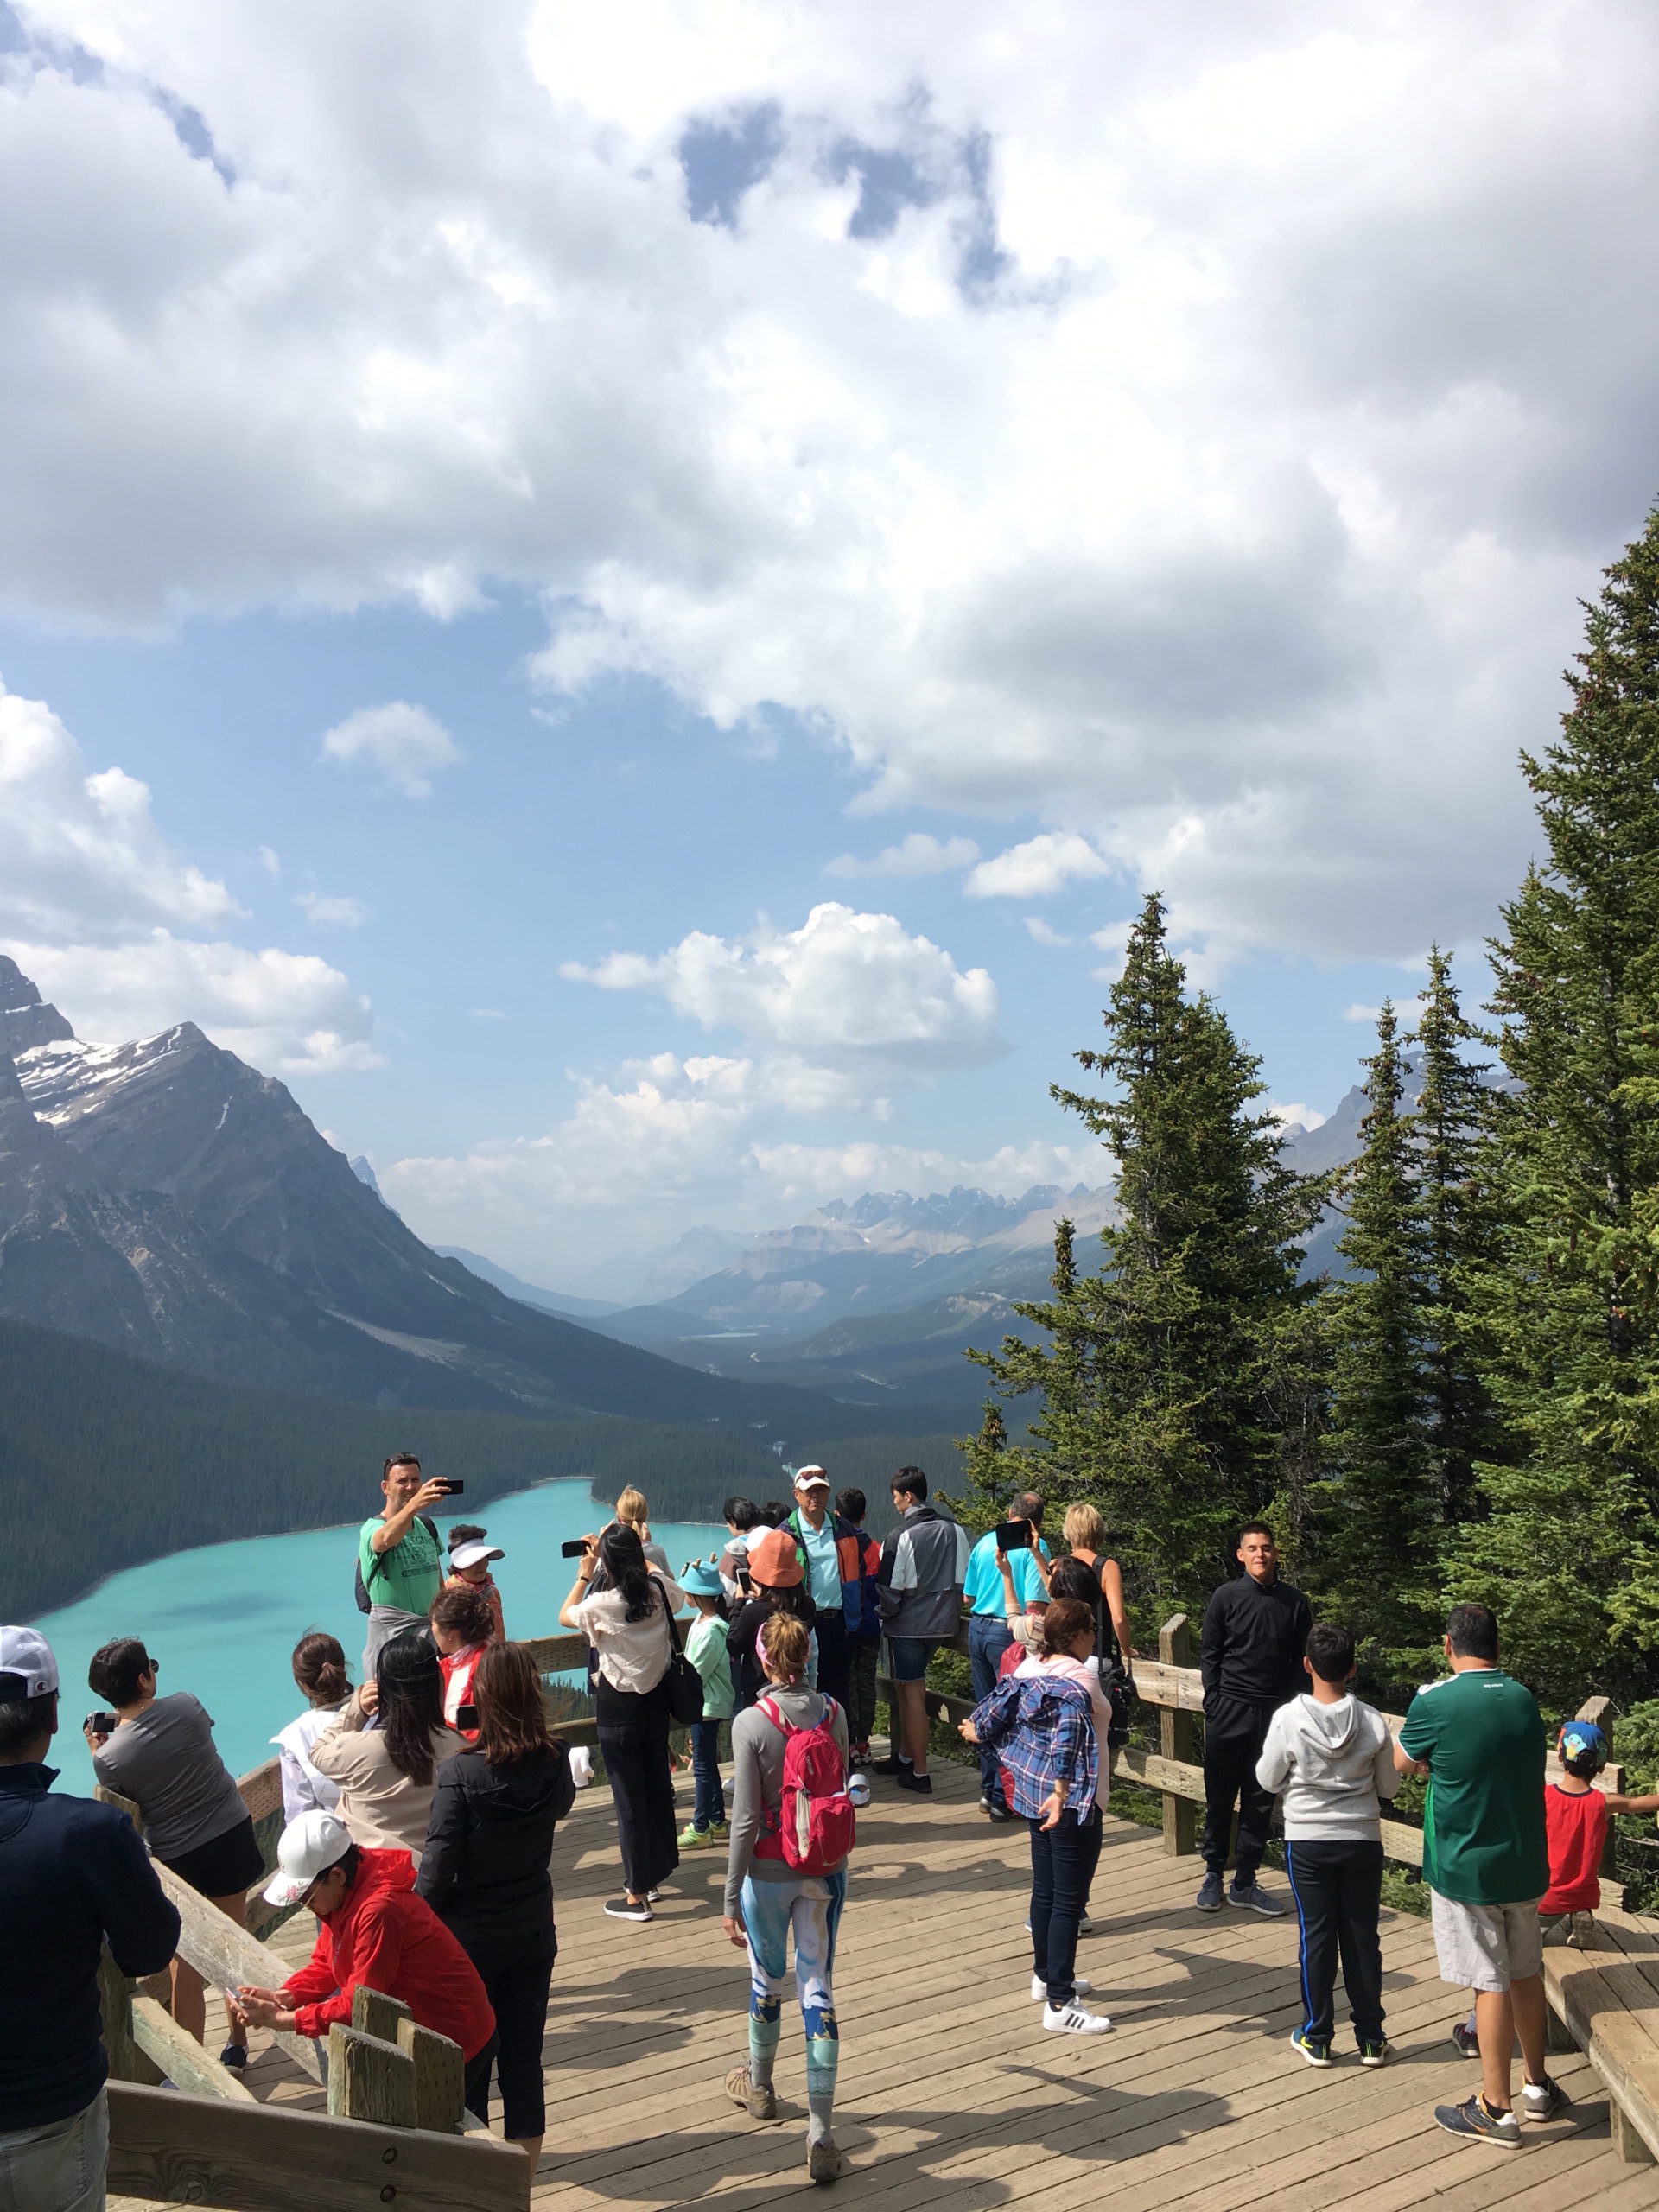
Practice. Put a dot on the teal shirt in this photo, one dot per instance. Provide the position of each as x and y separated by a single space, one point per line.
705 1647
823 1561
983 1588
407 1576
1482 1736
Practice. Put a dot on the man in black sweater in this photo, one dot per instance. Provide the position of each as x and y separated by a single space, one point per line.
1255 1633
73 1875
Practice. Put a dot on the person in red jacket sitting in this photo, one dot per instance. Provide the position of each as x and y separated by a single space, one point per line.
373 1932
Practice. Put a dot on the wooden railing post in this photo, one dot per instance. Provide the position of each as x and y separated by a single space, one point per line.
1178 1734
369 2078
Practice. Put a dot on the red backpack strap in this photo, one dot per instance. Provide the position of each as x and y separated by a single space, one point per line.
768 1706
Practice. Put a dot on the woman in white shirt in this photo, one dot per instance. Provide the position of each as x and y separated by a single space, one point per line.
319 1671
627 1624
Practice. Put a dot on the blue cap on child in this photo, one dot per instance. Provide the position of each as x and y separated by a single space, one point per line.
1581 1742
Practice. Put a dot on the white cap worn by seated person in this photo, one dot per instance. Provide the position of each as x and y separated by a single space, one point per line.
472 1555
811 1478
27 1667
311 1844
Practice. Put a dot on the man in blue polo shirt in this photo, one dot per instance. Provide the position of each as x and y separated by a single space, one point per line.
73 1875
989 1633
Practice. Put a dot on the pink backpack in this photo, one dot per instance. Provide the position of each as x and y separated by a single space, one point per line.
817 1825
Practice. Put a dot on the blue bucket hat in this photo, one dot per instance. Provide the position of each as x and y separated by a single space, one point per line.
701 1581
1582 1740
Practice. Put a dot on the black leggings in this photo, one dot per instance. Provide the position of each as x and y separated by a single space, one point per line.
634 1743
517 1992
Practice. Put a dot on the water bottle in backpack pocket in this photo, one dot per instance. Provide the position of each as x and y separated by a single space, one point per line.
817 1825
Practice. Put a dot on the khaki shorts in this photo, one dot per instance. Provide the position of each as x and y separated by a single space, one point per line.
1486 1947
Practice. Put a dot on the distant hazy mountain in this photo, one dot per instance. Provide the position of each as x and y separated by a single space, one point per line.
364 1173
530 1293
165 1197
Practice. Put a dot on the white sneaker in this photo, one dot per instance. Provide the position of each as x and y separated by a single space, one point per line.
1080 1983
1075 2019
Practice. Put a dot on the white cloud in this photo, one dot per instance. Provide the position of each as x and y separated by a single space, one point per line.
404 744
1038 866
287 1013
1407 1013
1296 1116
82 852
853 988
1040 933
916 854
1195 460
271 863
340 912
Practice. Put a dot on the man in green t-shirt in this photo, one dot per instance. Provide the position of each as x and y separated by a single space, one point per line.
397 1554
1477 1737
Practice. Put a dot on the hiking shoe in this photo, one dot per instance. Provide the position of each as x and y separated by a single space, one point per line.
234 2056
1075 2019
1467 2041
696 1839
1081 1987
1376 2053
1255 1899
628 1908
760 2102
1211 1896
1473 2118
922 1784
1542 2100
1316 2050
823 2162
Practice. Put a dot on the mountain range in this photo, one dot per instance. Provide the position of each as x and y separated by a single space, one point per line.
167 1199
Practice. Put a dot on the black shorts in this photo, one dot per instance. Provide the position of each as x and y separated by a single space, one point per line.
222 1866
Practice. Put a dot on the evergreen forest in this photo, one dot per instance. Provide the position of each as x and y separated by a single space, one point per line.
1474 1413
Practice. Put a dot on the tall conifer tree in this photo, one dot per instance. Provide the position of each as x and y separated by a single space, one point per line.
1158 1386
1567 1551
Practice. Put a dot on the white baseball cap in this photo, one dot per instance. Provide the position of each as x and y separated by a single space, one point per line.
470 1554
811 1478
27 1666
310 1846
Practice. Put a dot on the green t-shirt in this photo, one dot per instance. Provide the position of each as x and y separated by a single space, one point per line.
407 1576
1483 1737
705 1647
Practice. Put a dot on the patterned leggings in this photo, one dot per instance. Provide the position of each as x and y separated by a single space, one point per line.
811 1907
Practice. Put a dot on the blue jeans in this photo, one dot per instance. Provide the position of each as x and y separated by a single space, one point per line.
708 1810
988 1637
1061 1859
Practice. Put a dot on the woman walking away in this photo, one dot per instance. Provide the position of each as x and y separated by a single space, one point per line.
484 1873
776 1886
1039 1721
384 1751
463 1625
160 1753
627 1625
320 1670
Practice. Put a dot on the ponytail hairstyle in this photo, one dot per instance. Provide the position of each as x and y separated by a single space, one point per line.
632 1509
623 1558
1064 1622
411 1703
320 1669
784 1645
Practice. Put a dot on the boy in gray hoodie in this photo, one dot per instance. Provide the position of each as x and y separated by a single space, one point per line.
1332 1758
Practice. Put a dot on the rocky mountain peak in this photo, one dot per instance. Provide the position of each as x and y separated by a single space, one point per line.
26 1019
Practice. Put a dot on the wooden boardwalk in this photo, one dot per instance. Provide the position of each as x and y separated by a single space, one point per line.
952 2096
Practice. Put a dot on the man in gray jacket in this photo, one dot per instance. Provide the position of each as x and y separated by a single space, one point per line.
918 1588
1332 1757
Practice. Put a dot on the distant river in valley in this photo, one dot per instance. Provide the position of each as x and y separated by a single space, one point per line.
223 1620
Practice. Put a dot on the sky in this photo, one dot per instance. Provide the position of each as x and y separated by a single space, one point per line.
632 599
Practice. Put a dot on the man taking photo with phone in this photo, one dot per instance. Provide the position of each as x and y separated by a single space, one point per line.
398 1554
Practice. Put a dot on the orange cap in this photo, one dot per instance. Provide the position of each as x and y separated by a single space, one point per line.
774 1561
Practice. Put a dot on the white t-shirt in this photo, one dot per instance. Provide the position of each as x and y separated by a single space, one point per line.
305 1790
631 1655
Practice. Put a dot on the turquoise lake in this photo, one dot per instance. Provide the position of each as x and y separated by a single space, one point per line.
223 1621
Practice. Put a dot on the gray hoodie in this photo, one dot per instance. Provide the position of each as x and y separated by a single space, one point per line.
1333 1762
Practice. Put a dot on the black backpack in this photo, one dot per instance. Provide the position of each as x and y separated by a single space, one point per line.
363 1599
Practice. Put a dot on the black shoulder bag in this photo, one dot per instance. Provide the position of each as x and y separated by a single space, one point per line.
684 1682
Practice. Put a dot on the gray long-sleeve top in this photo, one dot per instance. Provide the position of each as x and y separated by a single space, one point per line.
758 1784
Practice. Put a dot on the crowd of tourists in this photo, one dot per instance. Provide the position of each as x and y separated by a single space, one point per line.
420 1807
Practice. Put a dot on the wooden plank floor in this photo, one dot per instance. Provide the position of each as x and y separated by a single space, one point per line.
950 2093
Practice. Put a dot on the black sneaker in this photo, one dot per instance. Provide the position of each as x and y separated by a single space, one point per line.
1467 2041
1473 2118
1374 2051
629 1908
1211 1896
893 1764
234 2056
999 1809
1542 2100
922 1784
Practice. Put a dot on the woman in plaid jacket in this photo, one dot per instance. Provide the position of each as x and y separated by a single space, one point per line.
1040 1722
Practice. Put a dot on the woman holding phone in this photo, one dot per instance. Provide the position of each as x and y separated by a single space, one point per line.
1041 1721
